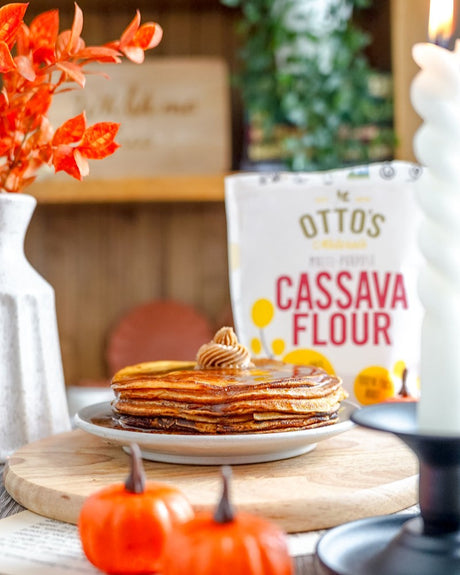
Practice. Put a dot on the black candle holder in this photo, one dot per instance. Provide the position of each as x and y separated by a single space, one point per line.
425 543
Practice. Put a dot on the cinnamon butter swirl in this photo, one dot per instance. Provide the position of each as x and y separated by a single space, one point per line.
224 392
224 351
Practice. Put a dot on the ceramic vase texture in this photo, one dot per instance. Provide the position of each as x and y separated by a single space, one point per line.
33 401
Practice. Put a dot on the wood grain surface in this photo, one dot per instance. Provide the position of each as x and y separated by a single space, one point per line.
201 188
103 260
409 25
357 474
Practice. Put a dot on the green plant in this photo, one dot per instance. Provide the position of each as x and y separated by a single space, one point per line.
311 106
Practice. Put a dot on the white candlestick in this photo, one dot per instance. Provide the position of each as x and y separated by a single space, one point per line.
435 96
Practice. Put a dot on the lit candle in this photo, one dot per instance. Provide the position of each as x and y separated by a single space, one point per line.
435 96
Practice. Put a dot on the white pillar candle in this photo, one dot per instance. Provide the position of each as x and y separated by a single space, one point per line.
435 95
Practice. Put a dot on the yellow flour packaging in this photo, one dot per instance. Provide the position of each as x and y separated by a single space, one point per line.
323 271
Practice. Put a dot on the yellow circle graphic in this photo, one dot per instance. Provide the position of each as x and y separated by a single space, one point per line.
278 346
398 368
374 385
256 346
262 312
309 357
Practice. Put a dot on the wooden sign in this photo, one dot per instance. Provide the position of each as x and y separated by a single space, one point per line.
174 115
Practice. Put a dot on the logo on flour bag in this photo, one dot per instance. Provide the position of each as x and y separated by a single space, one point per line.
341 220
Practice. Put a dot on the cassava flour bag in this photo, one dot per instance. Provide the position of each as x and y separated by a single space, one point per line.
323 271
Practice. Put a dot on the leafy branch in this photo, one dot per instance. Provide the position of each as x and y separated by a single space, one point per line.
36 63
321 108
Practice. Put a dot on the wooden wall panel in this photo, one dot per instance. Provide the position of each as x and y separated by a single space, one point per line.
103 260
200 281
409 20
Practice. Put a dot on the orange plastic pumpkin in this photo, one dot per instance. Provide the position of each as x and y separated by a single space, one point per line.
227 543
123 527
403 394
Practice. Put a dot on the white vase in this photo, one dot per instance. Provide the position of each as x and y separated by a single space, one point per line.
32 391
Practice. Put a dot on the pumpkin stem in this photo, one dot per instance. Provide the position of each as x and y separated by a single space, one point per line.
404 391
224 512
135 482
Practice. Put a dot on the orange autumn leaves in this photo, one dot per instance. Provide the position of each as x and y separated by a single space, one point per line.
136 39
38 62
74 144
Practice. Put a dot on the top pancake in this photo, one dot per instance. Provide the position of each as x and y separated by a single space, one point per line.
182 381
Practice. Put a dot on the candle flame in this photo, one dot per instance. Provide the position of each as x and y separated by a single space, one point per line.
441 24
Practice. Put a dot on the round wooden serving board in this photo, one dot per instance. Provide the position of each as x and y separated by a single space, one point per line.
359 473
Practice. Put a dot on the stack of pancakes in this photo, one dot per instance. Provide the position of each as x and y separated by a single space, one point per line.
267 396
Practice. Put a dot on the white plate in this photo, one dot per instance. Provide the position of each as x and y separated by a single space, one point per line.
213 449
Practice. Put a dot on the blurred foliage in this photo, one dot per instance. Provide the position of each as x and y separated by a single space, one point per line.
321 109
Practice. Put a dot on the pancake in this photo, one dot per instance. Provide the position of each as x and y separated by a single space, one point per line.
177 425
234 394
280 405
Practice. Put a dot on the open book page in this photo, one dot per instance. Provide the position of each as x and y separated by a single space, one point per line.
34 545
